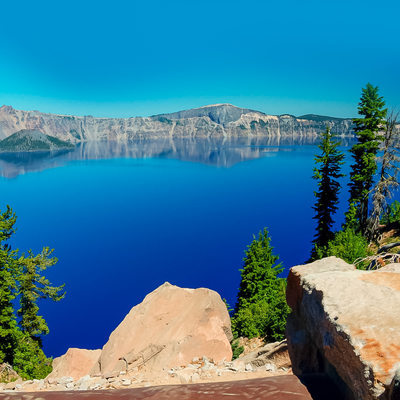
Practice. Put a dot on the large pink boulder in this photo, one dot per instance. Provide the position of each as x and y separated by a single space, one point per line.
75 363
346 323
169 328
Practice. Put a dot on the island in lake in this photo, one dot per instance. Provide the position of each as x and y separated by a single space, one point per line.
32 140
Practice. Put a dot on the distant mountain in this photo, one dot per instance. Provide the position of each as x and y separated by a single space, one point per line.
213 121
32 140
218 113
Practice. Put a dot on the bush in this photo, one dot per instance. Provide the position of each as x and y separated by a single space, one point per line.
236 349
347 245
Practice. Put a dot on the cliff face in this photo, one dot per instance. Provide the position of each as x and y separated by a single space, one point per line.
345 324
221 120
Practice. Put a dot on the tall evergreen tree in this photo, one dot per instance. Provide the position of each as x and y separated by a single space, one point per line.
371 107
8 288
261 308
35 286
22 279
326 172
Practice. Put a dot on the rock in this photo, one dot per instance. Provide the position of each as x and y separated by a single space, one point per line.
345 323
270 367
83 383
275 353
10 386
64 380
171 327
7 373
236 365
50 380
394 390
184 379
75 363
126 382
248 368
195 377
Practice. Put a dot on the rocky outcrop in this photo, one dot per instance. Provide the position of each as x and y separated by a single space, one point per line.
75 363
169 328
220 120
346 323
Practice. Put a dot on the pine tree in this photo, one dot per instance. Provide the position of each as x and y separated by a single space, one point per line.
326 172
261 308
8 288
364 154
22 279
34 286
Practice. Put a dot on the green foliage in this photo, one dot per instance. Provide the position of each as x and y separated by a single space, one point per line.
236 349
34 286
164 120
30 140
261 308
364 155
392 214
326 172
228 307
319 118
29 360
8 288
347 245
22 282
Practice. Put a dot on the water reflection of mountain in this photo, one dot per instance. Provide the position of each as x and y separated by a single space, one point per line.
218 152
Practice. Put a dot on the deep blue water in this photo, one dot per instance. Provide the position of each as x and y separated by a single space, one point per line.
123 219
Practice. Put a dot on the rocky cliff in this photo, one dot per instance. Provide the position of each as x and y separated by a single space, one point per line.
220 120
345 324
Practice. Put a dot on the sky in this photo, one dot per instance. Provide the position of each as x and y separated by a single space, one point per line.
138 58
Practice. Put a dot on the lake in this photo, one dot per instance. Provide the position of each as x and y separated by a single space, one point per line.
124 218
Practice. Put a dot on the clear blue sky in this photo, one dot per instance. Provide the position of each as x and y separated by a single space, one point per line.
129 58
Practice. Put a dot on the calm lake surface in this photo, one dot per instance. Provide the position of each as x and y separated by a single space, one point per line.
124 218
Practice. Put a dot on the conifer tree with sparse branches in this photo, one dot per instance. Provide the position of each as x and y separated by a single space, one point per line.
326 172
388 175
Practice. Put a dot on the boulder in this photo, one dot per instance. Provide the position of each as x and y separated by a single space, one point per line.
75 363
345 323
169 328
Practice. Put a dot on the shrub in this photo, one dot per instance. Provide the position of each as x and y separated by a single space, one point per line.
347 245
236 349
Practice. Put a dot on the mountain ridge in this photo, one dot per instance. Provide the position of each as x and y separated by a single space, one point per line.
216 120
